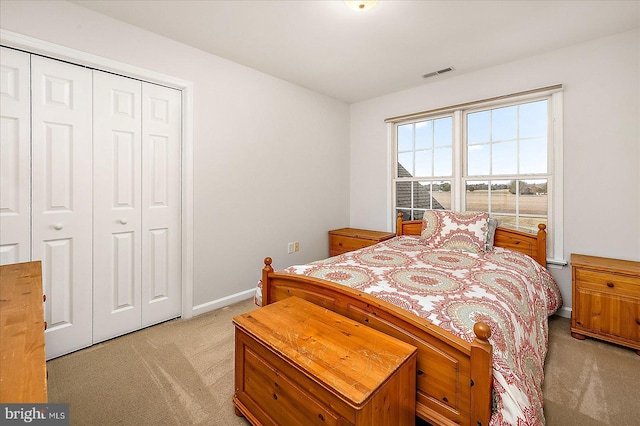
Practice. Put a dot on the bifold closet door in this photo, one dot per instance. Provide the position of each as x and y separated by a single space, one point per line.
161 204
91 185
117 212
62 196
15 157
137 205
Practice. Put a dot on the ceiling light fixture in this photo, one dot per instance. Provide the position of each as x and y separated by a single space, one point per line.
361 5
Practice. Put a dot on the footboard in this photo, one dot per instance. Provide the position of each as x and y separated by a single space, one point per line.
453 376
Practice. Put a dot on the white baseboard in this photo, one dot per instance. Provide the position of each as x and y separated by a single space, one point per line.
225 301
564 312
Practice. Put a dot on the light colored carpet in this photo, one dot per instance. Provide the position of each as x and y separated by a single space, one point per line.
589 382
181 373
175 373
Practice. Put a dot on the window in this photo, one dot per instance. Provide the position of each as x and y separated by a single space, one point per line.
502 156
424 158
507 163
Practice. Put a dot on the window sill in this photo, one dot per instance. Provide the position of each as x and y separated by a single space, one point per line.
556 263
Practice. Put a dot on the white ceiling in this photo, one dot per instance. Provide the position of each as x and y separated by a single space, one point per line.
353 56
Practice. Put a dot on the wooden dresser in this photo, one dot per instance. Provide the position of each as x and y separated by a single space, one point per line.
23 369
349 239
606 300
299 364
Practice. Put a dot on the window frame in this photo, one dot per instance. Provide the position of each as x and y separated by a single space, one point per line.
553 175
432 179
548 175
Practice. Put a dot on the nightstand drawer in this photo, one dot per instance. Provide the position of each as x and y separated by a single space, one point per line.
608 283
349 239
338 243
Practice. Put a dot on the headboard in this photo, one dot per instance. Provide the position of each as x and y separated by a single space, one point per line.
534 245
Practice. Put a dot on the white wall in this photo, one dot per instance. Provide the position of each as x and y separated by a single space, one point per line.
270 158
601 141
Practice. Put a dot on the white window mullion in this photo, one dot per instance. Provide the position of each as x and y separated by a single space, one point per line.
413 142
458 157
433 149
518 140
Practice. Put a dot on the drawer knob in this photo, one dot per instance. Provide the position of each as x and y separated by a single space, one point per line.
609 284
420 372
340 244
275 396
321 417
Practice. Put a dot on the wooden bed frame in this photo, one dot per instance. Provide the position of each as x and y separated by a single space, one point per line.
453 376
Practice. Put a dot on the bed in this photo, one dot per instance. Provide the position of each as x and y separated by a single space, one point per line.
465 375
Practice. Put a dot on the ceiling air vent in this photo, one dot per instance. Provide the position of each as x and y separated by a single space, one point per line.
434 73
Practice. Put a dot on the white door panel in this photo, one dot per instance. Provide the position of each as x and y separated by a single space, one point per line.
62 199
15 157
161 204
117 205
58 254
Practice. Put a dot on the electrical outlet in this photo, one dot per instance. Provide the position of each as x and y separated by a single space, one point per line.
296 246
290 248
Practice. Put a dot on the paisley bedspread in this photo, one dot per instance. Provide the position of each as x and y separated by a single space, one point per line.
509 291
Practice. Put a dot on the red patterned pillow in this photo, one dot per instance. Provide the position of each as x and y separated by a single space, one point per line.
454 230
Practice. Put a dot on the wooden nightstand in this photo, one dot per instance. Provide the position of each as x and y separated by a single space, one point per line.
350 239
299 364
606 300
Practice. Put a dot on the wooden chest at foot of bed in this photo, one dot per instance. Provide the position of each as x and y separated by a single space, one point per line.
299 364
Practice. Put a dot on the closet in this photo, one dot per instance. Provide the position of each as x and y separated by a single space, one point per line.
91 168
